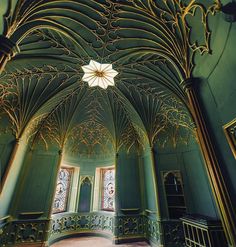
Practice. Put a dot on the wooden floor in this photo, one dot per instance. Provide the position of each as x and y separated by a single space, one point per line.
93 242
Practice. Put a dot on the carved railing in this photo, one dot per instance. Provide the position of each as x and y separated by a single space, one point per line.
66 224
152 229
122 228
173 233
23 232
202 231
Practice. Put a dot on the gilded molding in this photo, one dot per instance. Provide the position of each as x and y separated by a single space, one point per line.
230 133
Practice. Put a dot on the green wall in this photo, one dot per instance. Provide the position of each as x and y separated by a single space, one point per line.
127 172
12 178
7 141
129 181
36 183
147 175
6 145
88 165
217 90
188 160
84 204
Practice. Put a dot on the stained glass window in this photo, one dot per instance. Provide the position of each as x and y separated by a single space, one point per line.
108 189
62 190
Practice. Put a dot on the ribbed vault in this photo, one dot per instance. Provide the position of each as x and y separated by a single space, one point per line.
150 43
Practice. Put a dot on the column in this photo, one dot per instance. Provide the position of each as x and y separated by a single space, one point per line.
12 158
60 156
49 214
117 203
212 166
157 195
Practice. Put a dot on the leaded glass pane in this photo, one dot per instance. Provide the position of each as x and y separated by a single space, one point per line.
62 190
108 193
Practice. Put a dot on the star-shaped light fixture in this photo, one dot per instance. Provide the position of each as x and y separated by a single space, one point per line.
98 74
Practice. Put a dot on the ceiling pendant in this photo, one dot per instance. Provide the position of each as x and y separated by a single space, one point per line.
98 74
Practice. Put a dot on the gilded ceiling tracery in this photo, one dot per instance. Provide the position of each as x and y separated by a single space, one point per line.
151 44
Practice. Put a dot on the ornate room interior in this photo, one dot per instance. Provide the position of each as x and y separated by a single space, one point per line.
118 120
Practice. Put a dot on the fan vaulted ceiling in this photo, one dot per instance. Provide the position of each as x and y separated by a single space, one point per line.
151 44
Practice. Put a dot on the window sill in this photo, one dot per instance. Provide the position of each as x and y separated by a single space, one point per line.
104 212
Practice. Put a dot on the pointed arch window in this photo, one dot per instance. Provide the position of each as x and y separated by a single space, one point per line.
108 189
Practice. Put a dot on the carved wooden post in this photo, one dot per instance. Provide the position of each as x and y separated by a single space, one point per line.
212 166
8 49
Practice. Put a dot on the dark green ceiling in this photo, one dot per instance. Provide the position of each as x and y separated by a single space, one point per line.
150 43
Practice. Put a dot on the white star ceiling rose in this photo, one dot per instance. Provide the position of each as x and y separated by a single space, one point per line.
98 74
